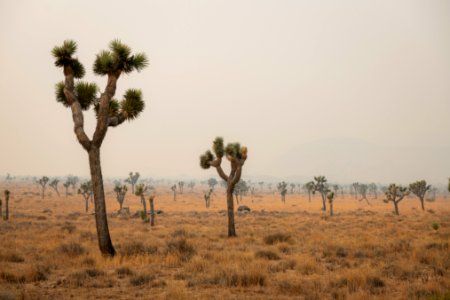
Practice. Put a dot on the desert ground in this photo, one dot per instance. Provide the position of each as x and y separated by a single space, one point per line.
48 249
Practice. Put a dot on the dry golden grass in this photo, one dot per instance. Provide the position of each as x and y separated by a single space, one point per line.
48 250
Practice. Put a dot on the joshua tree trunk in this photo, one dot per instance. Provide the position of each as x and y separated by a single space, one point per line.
309 196
324 207
237 199
396 208
230 209
421 203
144 205
152 212
331 209
104 239
67 192
86 200
6 206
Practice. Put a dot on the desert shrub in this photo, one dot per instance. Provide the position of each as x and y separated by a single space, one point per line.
141 279
181 232
69 227
181 247
435 226
136 248
437 246
38 273
13 257
282 266
72 249
341 252
11 278
267 254
375 284
92 272
89 261
124 271
277 238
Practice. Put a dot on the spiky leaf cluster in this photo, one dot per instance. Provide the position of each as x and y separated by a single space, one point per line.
114 107
85 188
320 184
63 58
233 150
282 188
43 181
132 104
54 183
119 59
419 188
395 193
205 159
85 92
140 189
218 147
330 196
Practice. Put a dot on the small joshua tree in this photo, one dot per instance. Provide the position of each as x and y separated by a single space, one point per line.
151 201
355 186
181 186
6 193
81 96
321 186
43 182
362 189
86 191
373 189
54 185
66 185
240 190
132 180
141 189
120 191
212 182
174 190
330 197
282 189
207 197
237 156
395 194
336 189
191 185
420 188
309 186
292 185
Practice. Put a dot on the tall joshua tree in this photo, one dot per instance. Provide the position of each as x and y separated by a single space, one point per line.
43 182
420 188
237 156
81 96
282 189
132 180
54 185
86 191
395 194
120 191
321 186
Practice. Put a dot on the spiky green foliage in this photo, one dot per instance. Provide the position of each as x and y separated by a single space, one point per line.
63 58
114 107
419 188
205 159
218 147
119 59
85 188
132 105
330 196
395 194
85 92
140 189
233 150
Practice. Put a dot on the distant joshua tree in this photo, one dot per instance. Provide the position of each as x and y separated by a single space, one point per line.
309 187
261 186
292 185
282 189
237 156
43 182
54 185
240 190
330 197
121 191
395 194
212 182
321 186
373 189
66 185
132 180
141 189
86 191
174 190
355 186
181 186
207 197
191 185
336 189
420 188
362 189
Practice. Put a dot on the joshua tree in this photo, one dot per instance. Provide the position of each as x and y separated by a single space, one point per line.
237 156
261 186
212 182
420 188
6 193
132 180
395 194
282 188
362 189
43 182
121 191
207 196
240 190
330 197
152 209
321 186
140 191
174 190
66 185
292 185
355 186
336 189
309 186
191 185
86 191
373 189
54 184
81 96
181 186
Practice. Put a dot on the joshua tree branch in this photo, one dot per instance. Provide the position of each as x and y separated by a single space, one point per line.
217 164
116 120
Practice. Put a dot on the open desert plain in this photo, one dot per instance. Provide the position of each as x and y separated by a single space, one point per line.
49 248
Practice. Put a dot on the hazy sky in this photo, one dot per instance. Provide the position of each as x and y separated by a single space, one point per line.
273 75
